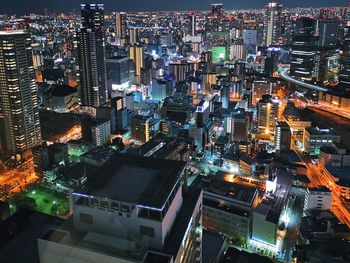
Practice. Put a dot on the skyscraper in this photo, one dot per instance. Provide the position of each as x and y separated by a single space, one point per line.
137 55
121 26
19 115
328 32
272 24
91 53
268 108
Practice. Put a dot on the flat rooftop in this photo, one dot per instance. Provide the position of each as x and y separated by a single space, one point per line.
320 131
234 191
135 179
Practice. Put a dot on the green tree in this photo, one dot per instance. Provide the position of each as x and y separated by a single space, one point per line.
26 202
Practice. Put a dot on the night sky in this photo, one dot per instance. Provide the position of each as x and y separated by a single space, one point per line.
27 6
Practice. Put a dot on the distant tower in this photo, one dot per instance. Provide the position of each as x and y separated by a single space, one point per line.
19 114
193 24
120 25
137 55
272 24
91 54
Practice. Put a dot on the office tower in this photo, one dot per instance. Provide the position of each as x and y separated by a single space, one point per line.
344 74
272 24
91 53
326 61
304 26
133 37
96 131
238 50
237 126
19 115
193 24
328 32
283 137
268 108
159 89
107 113
140 128
250 40
137 55
259 87
302 58
120 25
166 39
135 210
40 159
225 95
271 63
179 70
118 73
119 104
217 11
202 114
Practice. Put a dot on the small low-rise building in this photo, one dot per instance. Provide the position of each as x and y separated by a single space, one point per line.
316 137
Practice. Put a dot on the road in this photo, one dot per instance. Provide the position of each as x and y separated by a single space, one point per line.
318 178
331 109
295 213
283 74
19 177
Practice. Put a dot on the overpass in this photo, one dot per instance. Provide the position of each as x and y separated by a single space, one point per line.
283 74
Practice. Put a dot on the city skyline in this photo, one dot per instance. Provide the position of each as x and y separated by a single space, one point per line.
25 7
214 136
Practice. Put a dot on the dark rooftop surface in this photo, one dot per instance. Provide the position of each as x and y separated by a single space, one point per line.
234 255
137 179
27 226
212 245
239 192
62 90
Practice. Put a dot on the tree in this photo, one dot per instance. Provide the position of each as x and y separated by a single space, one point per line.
26 202
5 190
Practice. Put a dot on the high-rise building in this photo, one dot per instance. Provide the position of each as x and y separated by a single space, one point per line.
137 55
272 24
193 24
217 11
304 26
133 36
250 40
19 115
237 126
268 108
140 128
302 58
91 54
40 159
96 131
118 73
159 89
344 74
283 136
328 32
120 25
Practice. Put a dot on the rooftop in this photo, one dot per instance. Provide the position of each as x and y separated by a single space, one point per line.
234 191
135 179
320 131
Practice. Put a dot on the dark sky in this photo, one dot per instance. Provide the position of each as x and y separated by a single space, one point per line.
27 6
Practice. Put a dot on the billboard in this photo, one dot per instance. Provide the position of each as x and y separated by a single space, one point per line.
219 53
